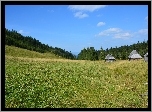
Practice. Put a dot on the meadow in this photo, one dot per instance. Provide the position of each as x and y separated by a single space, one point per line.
45 82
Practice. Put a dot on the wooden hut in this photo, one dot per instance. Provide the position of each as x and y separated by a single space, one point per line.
134 55
146 57
109 58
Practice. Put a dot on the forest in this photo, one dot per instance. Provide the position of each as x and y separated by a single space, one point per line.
120 53
90 53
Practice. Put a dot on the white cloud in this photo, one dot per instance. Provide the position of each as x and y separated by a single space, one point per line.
20 31
115 33
109 31
90 8
113 30
123 35
143 31
80 15
101 23
102 34
23 32
80 9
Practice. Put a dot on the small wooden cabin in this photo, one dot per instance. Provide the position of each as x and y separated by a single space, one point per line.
146 57
109 58
134 55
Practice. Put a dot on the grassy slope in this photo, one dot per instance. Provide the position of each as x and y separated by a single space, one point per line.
19 52
73 83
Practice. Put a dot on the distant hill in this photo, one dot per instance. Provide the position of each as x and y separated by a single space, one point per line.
12 38
20 52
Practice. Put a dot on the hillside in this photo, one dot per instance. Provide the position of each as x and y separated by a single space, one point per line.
20 52
13 38
44 80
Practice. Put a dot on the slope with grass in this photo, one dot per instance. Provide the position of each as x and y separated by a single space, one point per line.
61 83
19 52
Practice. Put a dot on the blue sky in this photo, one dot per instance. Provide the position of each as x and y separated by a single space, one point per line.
74 27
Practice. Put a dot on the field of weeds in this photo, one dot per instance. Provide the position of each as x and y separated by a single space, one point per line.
60 83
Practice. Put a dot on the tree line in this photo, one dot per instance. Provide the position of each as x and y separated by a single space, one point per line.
14 38
120 53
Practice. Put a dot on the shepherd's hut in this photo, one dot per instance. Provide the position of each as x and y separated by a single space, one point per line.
134 55
109 58
146 57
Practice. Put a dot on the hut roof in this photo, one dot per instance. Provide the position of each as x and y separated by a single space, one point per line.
146 54
109 57
134 54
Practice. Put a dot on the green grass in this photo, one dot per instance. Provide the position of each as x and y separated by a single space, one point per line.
19 52
60 83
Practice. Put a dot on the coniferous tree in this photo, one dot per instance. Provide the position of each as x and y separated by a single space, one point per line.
121 52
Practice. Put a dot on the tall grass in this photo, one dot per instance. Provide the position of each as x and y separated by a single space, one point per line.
46 83
19 52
